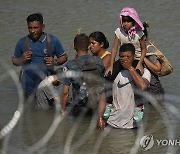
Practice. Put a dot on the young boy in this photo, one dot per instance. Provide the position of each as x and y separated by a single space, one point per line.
122 111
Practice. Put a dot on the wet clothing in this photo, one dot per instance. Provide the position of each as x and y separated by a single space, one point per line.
46 92
122 111
72 72
72 66
35 70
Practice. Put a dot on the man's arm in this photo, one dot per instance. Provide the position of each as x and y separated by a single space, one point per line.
23 59
58 61
62 59
64 98
139 81
101 109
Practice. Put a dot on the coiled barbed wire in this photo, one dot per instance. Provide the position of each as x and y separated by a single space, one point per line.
69 147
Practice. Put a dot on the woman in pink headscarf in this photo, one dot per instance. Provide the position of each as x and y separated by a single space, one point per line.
130 31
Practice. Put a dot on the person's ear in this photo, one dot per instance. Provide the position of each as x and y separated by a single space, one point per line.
102 44
43 26
89 46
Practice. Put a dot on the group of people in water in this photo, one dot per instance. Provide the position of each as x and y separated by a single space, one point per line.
39 52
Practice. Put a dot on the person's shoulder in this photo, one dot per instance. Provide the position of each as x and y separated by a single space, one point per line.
22 39
53 37
71 64
98 60
96 57
118 30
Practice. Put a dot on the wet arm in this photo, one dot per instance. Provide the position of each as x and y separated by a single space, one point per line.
140 82
23 59
143 50
62 59
106 61
101 109
114 50
17 61
153 67
113 55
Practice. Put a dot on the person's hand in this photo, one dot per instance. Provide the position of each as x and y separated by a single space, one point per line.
101 124
140 67
108 70
126 63
26 56
49 60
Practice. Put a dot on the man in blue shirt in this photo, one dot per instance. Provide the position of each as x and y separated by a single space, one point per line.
37 53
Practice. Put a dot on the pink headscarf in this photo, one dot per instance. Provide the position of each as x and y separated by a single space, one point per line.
131 12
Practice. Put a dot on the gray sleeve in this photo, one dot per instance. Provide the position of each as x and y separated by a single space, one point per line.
153 59
146 74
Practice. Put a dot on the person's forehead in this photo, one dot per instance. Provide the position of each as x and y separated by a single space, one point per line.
126 52
37 23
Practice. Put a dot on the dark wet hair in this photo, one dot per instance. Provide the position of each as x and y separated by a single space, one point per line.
35 17
100 37
145 25
127 47
81 42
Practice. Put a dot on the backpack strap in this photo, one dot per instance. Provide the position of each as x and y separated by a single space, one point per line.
48 46
27 48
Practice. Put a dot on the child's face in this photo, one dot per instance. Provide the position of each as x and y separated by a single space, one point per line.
127 22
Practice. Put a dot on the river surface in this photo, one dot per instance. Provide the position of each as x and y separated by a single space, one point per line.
27 130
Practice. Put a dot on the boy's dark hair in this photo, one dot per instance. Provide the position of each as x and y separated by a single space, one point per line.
81 42
127 47
35 17
100 37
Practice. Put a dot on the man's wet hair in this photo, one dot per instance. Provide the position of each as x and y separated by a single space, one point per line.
127 47
81 42
35 17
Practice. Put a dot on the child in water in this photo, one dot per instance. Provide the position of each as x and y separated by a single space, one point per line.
130 31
